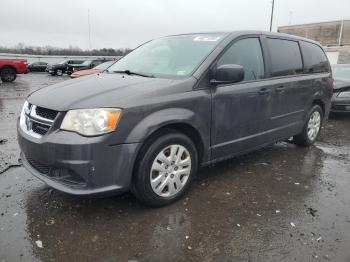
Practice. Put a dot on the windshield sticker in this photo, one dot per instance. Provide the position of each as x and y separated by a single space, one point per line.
181 72
207 38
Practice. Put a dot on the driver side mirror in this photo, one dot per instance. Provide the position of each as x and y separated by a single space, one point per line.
227 74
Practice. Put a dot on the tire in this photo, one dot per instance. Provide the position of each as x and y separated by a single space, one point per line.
8 74
59 72
306 137
175 179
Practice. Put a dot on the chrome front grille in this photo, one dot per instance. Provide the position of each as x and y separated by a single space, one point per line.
36 121
46 113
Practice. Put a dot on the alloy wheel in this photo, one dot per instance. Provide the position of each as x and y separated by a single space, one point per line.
313 126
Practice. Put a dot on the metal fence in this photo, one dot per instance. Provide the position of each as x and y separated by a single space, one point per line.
335 33
51 59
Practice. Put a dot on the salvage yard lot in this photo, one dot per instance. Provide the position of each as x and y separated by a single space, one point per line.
282 203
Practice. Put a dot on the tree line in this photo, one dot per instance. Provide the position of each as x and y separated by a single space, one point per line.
70 51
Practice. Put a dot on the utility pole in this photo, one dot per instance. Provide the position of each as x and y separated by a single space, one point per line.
273 5
341 32
89 29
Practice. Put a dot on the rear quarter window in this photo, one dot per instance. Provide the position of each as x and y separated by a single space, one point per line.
315 60
285 57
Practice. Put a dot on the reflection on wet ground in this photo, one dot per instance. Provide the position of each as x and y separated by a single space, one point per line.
282 203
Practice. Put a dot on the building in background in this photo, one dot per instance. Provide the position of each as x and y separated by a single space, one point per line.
334 36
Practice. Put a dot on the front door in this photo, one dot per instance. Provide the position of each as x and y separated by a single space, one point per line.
241 111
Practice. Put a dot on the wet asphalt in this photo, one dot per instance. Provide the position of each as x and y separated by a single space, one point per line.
281 203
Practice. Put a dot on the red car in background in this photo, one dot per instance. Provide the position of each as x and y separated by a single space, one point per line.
97 69
9 68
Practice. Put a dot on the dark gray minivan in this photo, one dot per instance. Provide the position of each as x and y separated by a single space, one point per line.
172 105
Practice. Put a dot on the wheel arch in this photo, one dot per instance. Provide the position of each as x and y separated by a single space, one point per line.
184 128
180 127
180 120
8 66
320 103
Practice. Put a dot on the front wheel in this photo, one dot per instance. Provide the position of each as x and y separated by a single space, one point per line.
166 169
312 127
59 72
8 74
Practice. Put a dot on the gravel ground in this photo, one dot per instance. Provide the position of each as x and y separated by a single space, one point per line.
282 203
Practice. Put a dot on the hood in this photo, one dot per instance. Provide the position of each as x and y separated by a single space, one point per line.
85 72
108 90
341 85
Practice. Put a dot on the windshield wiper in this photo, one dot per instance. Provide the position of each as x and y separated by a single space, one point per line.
128 72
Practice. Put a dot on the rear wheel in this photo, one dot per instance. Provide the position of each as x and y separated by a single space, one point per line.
8 74
59 72
312 127
166 169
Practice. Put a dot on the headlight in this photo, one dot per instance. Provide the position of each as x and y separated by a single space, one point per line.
25 110
91 122
344 94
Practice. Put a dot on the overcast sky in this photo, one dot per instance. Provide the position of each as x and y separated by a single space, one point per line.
127 23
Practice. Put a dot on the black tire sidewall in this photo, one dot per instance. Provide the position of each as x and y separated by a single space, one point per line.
8 71
142 184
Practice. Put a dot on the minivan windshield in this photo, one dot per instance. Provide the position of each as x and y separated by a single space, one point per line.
169 56
341 72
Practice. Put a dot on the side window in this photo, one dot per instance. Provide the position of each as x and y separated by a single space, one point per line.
285 57
314 58
247 53
95 63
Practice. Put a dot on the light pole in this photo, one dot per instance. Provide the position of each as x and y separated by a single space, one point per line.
273 5
89 27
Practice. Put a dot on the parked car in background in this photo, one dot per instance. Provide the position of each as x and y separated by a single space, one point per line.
37 66
9 68
171 106
61 68
97 69
88 64
341 96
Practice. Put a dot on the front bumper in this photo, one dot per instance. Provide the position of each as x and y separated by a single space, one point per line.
78 165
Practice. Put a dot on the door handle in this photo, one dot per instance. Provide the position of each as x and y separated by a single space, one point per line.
280 89
264 91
